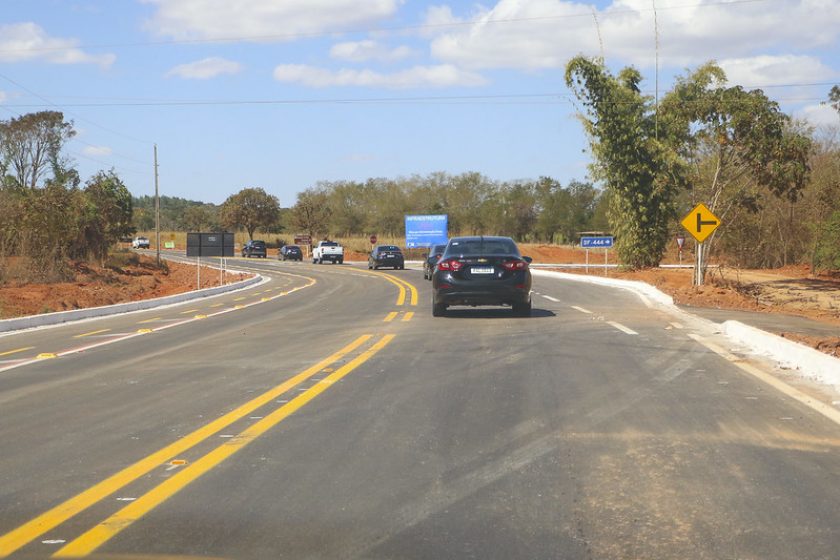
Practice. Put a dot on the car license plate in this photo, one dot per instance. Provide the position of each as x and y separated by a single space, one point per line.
482 270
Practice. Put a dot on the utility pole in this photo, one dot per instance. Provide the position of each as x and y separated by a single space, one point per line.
157 210
656 72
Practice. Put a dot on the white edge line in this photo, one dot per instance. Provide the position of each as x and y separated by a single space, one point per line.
778 384
621 327
161 328
549 298
581 309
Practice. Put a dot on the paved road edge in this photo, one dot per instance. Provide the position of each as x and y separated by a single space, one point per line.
59 317
808 362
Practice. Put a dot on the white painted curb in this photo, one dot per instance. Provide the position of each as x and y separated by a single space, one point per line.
58 317
639 288
811 363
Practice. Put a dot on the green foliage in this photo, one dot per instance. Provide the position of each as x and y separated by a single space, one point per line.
250 209
828 244
30 150
834 97
175 214
527 210
107 213
311 213
633 157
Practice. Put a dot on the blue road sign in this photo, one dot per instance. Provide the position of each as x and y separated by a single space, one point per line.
597 242
425 231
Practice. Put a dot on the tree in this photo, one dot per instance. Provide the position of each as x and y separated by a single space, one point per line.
197 218
739 148
108 213
250 208
633 157
834 97
310 214
30 149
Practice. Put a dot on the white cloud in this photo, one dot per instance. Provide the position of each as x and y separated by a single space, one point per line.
819 115
443 75
94 151
21 42
783 69
361 51
260 21
206 68
538 34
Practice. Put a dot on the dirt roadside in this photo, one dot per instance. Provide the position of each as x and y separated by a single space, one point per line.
127 280
790 290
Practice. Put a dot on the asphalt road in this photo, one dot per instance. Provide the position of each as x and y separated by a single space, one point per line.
341 420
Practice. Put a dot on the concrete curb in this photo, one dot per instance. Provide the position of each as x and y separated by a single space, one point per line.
646 291
59 317
811 363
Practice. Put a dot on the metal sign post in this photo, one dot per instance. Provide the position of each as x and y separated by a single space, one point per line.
605 242
198 273
605 260
700 223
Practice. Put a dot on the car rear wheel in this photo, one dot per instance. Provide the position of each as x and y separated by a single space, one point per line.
438 310
522 309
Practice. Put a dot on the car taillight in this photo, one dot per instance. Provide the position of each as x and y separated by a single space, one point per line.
514 265
450 264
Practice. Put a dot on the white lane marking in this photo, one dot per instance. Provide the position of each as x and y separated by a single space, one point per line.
126 499
582 310
549 298
644 299
815 405
676 325
53 541
622 328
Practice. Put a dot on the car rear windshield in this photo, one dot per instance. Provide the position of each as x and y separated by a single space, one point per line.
392 248
257 243
329 244
483 247
293 248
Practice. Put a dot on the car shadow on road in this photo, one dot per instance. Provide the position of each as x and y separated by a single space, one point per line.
494 313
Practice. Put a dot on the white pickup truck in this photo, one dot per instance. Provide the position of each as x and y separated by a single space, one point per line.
328 251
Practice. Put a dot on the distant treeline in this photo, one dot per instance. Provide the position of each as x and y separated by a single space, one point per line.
528 210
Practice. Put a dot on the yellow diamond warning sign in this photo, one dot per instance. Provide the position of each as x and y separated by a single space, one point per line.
700 222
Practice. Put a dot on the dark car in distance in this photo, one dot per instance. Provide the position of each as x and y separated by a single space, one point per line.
431 260
255 248
290 253
386 255
482 271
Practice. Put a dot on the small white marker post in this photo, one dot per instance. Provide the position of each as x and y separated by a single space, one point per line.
587 260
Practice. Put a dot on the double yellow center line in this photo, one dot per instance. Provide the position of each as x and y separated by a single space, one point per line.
401 285
101 533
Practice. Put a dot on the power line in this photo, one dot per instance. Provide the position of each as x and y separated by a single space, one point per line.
315 34
554 98
51 104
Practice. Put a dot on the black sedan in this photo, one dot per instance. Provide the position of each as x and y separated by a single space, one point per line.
254 248
386 255
290 253
431 260
482 271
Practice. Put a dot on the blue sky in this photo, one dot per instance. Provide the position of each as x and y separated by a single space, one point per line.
282 94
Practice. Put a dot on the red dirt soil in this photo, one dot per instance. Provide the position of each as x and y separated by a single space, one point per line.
94 286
